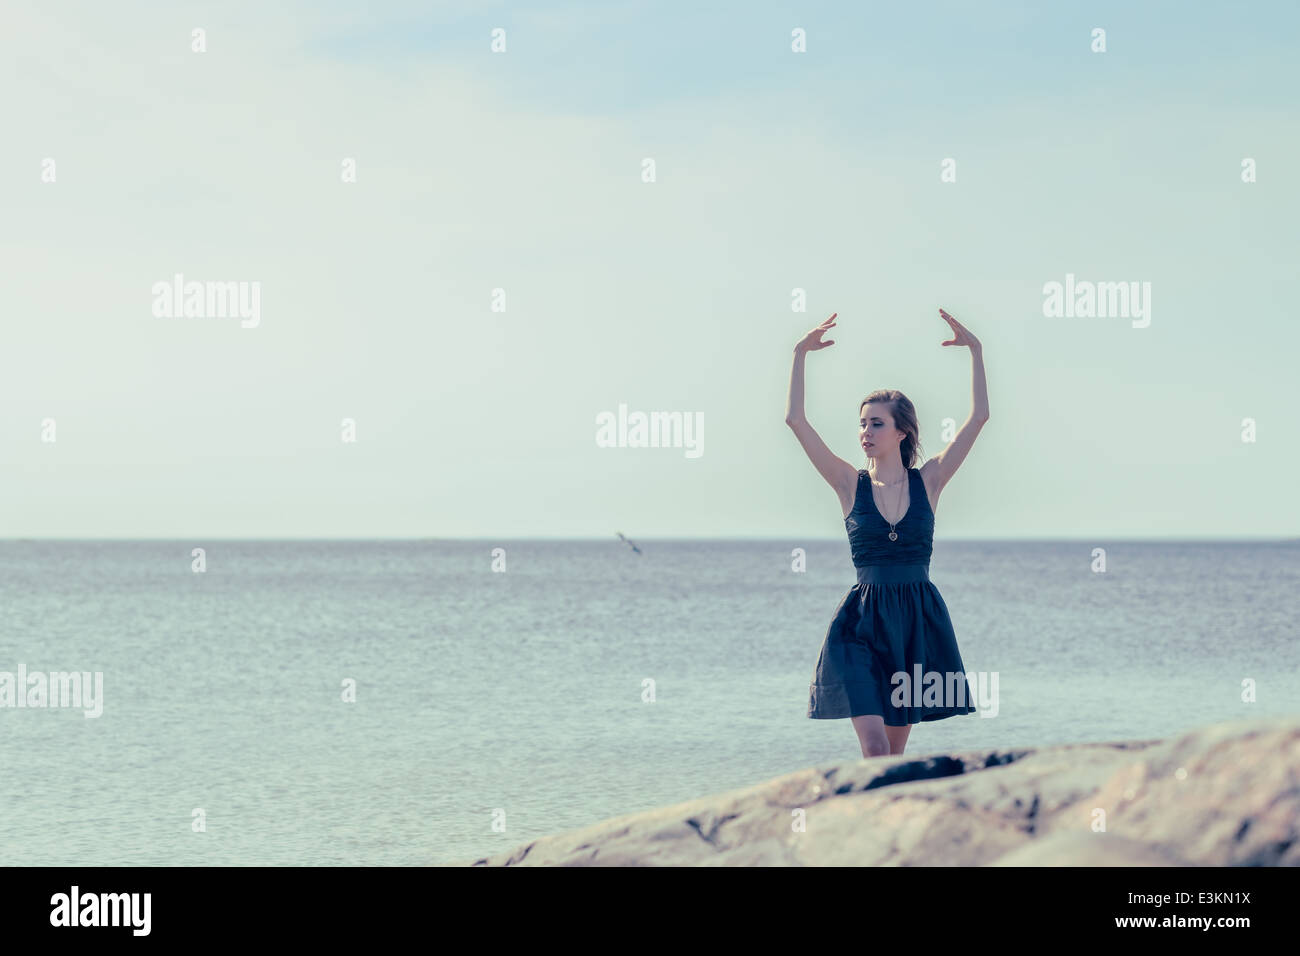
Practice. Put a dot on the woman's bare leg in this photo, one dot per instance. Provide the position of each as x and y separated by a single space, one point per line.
897 738
872 736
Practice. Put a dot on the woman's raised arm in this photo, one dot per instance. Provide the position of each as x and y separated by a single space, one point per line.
839 474
938 471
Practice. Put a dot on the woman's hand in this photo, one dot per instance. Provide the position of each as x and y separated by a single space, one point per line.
813 340
960 334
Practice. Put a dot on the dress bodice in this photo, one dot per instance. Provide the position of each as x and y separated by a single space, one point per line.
869 532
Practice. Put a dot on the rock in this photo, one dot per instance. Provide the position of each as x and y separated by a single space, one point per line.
1225 794
1086 848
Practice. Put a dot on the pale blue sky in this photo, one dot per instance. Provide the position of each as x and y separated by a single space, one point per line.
522 171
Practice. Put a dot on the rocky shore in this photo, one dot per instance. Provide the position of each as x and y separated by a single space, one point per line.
1221 795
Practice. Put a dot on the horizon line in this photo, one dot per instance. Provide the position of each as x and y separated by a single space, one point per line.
614 539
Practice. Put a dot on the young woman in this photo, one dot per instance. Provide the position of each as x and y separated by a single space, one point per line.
890 657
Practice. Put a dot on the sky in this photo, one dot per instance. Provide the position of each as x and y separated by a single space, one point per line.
786 186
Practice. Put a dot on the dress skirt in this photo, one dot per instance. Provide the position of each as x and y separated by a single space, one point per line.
891 650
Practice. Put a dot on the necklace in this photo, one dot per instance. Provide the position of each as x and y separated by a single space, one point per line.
893 534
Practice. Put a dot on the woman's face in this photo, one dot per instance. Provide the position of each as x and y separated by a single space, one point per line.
877 433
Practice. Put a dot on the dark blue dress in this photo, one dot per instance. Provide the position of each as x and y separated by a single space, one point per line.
893 622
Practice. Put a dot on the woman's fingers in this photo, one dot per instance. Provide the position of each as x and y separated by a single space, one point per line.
813 337
957 326
961 335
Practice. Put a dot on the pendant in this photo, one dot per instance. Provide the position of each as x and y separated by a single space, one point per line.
893 536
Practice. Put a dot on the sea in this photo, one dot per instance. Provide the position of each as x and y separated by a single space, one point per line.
435 701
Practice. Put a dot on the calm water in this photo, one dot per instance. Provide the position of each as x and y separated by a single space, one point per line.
522 691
